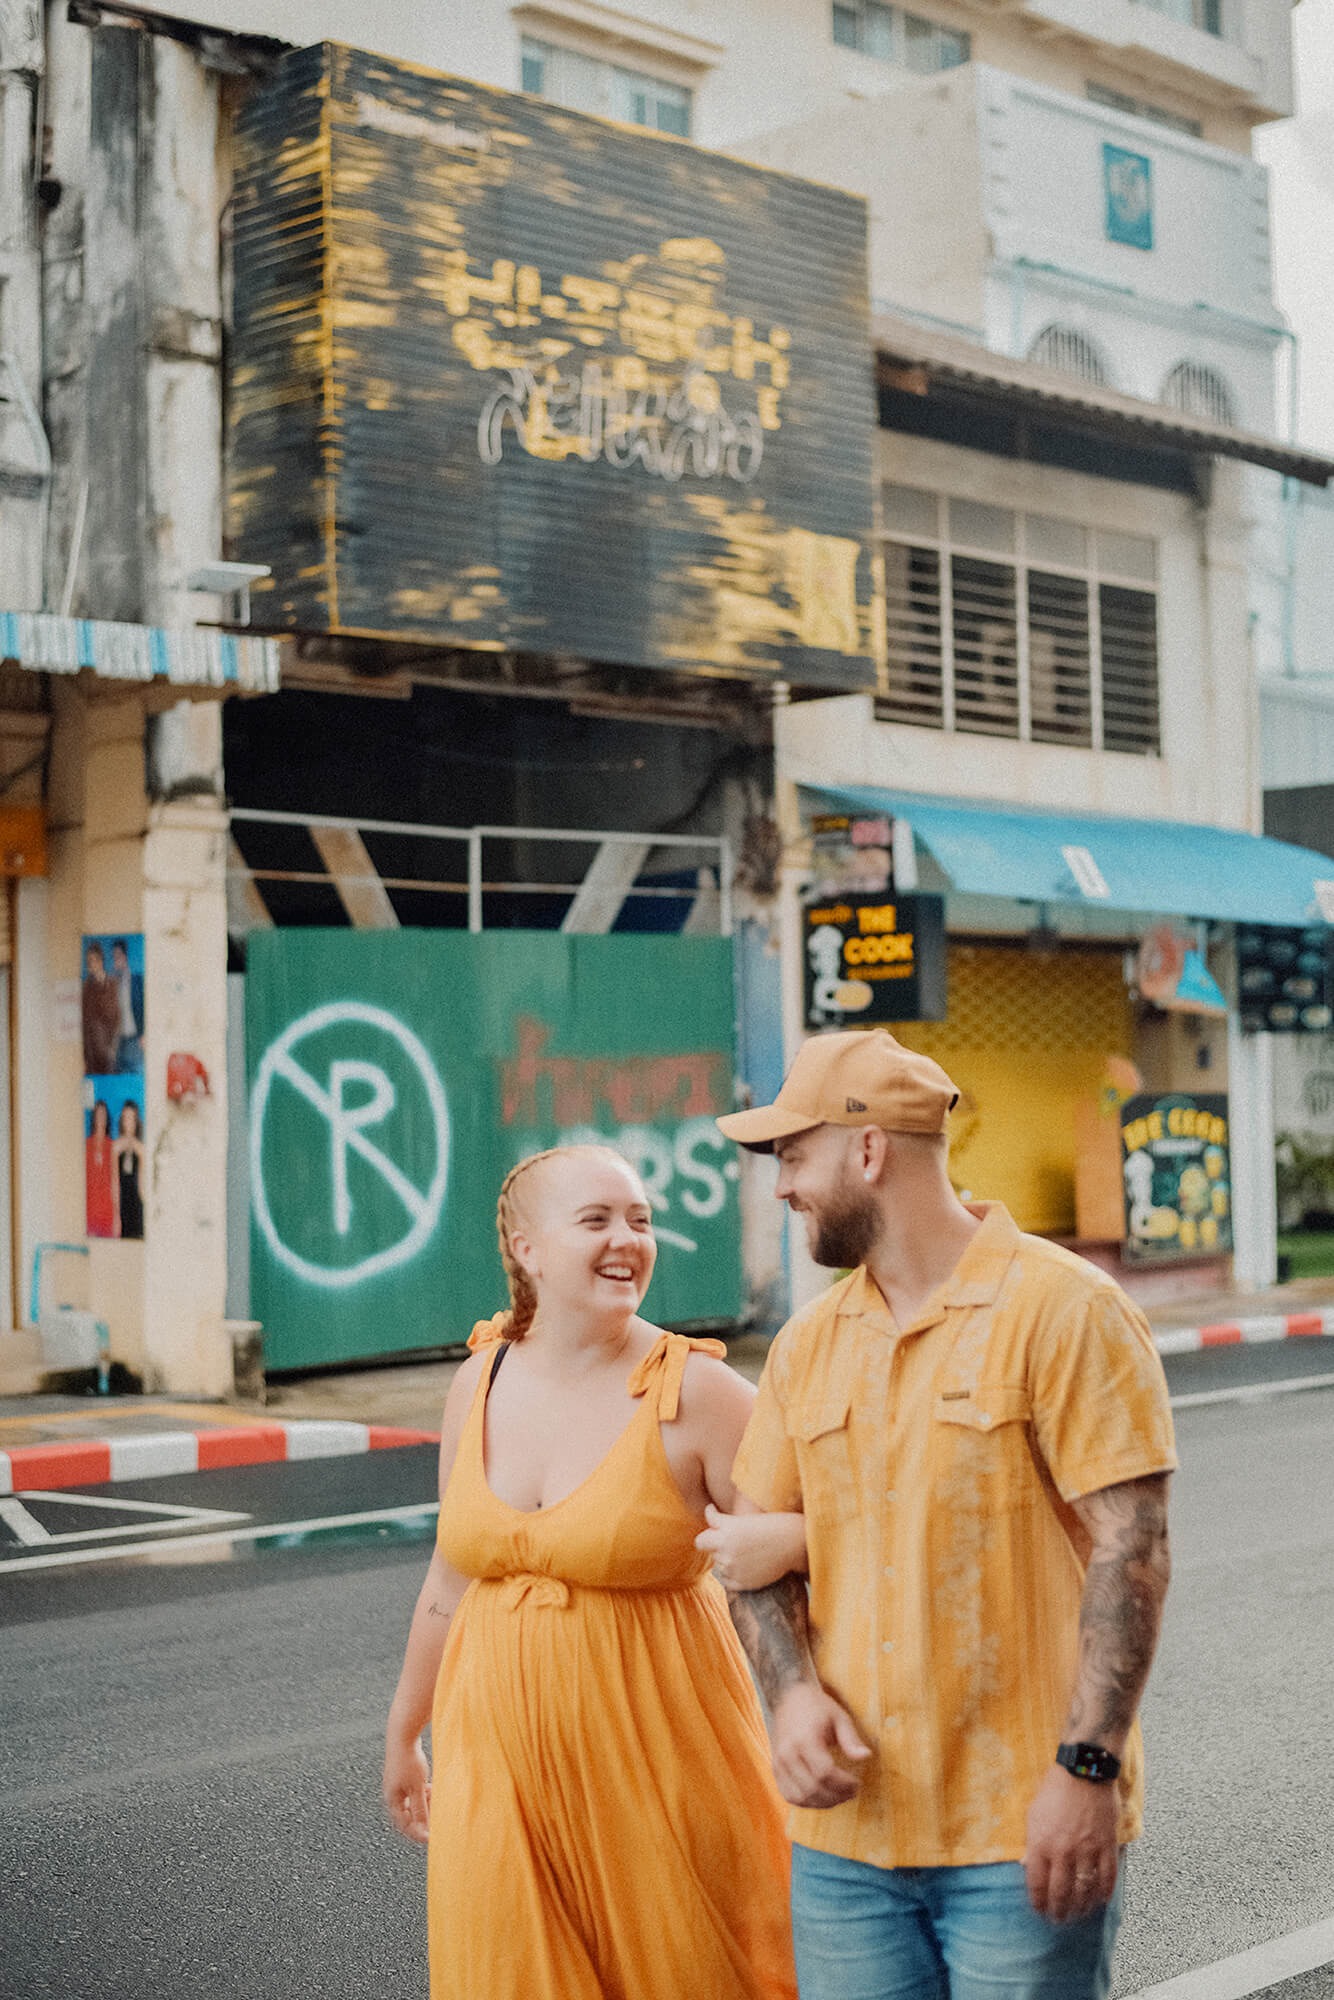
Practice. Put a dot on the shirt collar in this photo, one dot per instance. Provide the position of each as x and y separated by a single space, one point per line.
975 1280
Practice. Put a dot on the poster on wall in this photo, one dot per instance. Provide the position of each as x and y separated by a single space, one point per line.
869 959
111 1008
1177 1173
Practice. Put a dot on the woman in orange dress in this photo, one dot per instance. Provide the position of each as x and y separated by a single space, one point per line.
602 1820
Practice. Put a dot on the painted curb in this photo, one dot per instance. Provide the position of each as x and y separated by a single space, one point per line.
1235 1332
35 1468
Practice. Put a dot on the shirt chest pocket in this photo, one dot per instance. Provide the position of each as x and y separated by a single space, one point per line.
983 1461
819 1430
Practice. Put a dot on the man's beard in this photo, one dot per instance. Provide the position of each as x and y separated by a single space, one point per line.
846 1231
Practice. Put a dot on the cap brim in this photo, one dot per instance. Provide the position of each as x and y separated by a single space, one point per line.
757 1130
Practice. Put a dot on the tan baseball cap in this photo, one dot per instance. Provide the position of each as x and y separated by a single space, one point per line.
861 1078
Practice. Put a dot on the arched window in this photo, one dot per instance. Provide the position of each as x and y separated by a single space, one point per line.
1200 391
1072 352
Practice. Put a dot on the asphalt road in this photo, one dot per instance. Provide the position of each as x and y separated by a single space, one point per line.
190 1750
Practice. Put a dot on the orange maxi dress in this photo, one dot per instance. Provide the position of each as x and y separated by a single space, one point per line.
604 1824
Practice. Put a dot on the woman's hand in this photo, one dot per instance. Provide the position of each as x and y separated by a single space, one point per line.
406 1787
751 1551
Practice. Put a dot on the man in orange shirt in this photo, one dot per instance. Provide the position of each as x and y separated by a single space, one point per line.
975 1428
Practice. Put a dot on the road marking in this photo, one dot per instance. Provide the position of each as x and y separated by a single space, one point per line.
26 1528
21 1523
1252 1392
1251 1971
61 1558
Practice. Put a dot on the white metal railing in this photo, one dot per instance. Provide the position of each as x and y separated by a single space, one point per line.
476 885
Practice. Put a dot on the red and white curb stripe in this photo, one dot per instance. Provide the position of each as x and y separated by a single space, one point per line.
33 1468
1233 1332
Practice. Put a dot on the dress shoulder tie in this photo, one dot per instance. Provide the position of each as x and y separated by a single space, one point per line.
488 1331
665 1363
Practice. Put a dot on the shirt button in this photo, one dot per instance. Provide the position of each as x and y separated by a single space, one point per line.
984 1419
891 1495
887 1646
889 1569
891 1722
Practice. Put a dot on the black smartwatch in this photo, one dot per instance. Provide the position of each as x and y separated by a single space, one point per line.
1090 1761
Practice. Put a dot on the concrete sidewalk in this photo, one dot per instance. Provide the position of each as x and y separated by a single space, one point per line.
84 1440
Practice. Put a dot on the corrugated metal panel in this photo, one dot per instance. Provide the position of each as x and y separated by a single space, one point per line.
508 376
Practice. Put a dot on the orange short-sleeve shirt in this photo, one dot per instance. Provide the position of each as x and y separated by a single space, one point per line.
935 1466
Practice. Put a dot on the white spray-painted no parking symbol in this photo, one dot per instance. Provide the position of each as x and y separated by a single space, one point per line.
347 1123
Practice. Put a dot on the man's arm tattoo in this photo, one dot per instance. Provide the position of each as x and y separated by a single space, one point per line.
1122 1606
773 1627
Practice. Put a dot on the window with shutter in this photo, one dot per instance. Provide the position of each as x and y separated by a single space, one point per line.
1018 625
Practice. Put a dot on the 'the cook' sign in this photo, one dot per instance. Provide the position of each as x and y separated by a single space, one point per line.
874 958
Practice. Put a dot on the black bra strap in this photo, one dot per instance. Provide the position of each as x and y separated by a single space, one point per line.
505 1347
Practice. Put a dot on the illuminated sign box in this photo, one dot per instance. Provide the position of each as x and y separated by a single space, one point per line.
868 959
509 377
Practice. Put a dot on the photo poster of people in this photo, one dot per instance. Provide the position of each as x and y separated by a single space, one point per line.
112 1006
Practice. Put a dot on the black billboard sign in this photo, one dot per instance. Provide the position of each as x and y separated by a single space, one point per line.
508 377
869 959
1285 979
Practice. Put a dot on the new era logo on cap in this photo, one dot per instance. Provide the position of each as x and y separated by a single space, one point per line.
855 1104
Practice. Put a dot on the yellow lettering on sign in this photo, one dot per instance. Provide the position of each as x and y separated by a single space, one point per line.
884 917
892 948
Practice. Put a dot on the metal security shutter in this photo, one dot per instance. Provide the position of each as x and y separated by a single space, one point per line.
1129 621
1027 1036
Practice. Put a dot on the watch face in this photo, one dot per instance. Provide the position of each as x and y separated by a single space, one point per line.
1089 1760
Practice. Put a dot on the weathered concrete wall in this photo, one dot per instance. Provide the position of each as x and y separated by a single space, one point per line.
131 296
24 468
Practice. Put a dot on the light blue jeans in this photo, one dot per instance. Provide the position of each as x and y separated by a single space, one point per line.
864 1933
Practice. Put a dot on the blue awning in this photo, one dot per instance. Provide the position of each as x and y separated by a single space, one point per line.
1162 867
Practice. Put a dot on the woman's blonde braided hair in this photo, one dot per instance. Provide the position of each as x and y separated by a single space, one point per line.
523 1296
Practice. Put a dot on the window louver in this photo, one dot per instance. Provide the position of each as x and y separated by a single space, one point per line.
1007 648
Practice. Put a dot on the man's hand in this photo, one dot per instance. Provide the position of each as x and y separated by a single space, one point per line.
810 1732
1071 1858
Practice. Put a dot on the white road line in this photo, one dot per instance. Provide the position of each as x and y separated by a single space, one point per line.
1251 1971
61 1558
21 1524
1253 1392
119 1506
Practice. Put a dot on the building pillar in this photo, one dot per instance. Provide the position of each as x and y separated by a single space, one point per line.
805 1278
1250 1062
186 1347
